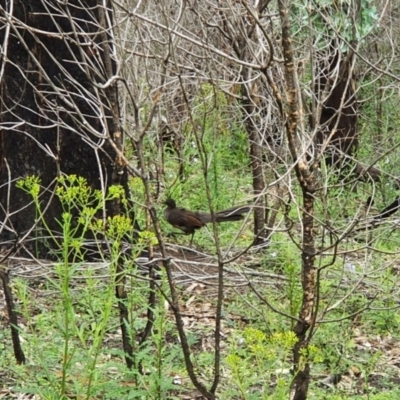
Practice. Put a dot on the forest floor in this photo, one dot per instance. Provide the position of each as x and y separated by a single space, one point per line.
358 358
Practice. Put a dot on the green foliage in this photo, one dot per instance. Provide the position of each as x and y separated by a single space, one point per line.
137 190
255 359
93 365
30 185
327 19
283 258
66 341
213 143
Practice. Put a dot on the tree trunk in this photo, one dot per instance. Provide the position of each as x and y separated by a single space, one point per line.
256 153
337 111
53 120
306 176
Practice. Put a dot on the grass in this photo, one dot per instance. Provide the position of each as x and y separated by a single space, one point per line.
256 355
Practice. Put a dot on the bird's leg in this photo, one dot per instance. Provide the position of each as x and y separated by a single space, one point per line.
191 239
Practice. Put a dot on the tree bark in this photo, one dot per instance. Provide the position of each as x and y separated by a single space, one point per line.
54 120
306 176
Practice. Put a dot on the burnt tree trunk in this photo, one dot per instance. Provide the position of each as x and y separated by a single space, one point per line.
59 116
337 136
336 115
53 118
256 155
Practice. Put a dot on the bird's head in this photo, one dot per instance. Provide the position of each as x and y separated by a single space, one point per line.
170 203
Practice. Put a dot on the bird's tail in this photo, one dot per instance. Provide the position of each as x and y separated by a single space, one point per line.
232 214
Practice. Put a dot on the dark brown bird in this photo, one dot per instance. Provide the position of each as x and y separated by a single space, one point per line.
189 221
